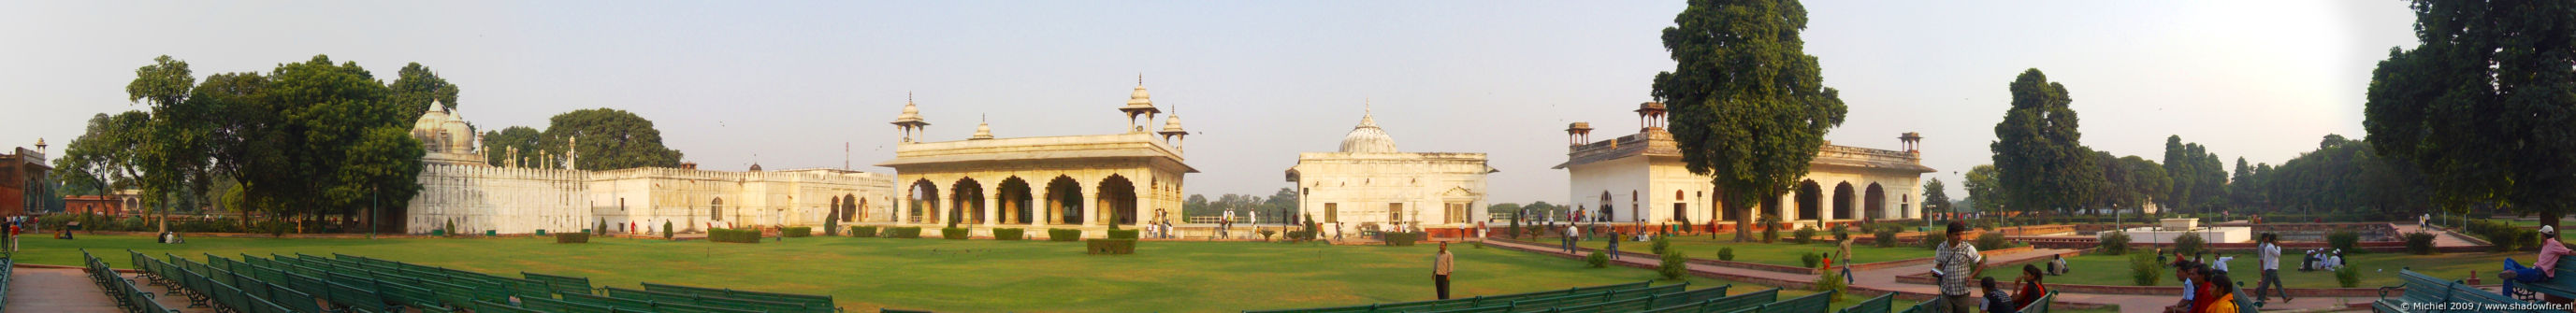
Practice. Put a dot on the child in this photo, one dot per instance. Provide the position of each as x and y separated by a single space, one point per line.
1996 300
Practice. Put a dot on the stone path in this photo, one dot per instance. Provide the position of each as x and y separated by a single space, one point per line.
2447 238
69 290
1884 280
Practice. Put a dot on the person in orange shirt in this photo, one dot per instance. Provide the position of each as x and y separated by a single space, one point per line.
2031 288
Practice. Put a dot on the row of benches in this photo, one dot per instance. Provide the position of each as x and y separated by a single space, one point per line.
2039 306
1631 297
579 291
128 297
2424 293
1478 301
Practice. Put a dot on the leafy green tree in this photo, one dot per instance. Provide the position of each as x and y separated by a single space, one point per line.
1987 192
2040 157
171 146
2483 104
1936 196
515 138
2198 181
1196 205
608 139
103 157
415 87
1749 107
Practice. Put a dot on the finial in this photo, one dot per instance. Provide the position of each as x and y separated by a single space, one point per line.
1140 78
1366 107
985 117
907 97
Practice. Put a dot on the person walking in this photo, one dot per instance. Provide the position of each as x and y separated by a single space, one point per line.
1614 245
1571 233
1844 253
2268 257
1440 266
1956 263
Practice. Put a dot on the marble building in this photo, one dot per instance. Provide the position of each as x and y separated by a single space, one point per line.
1639 179
459 186
1369 185
1127 177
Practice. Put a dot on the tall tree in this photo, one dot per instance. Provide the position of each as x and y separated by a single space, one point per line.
416 87
515 138
1749 106
608 139
1982 186
172 147
1936 197
2485 104
2039 154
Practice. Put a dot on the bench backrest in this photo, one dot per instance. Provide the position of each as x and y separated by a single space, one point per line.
1820 302
1927 306
1747 300
2041 305
1690 297
1884 303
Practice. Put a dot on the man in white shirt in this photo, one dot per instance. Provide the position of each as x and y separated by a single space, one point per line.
2269 253
2221 265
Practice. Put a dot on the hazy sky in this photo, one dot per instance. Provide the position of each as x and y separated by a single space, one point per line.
786 84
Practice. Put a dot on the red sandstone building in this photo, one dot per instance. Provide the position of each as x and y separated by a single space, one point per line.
21 174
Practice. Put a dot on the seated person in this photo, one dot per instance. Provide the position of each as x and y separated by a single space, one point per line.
2192 292
2031 288
2540 269
1996 300
2057 265
2224 291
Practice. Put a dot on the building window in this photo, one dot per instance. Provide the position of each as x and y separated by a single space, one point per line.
1395 212
715 210
1457 213
1332 212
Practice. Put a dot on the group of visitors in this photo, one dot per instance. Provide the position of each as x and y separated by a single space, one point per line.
1998 301
2203 290
2322 260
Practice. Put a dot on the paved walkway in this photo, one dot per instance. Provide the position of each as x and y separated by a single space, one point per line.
2447 238
1885 280
70 291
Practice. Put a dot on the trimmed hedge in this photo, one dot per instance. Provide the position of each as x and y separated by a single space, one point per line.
2115 243
1403 239
572 237
1060 234
1597 260
1008 233
1110 246
903 232
1123 233
2345 239
733 235
953 233
799 231
863 231
2419 243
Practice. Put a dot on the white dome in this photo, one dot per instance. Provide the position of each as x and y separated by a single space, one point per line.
1368 138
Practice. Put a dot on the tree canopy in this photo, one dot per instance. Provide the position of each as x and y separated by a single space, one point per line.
1935 196
607 139
1749 106
2484 105
2040 157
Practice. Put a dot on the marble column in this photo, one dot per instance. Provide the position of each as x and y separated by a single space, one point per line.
992 211
1091 213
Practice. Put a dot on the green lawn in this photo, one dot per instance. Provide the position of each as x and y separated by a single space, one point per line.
1780 253
865 274
2377 269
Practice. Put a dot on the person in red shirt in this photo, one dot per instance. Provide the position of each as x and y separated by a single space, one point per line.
2031 288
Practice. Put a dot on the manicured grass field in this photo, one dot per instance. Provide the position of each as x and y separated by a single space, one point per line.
1778 253
865 274
2377 269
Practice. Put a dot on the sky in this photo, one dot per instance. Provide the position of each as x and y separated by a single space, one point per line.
790 84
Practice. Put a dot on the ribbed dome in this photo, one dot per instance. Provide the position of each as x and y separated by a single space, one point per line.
982 131
429 122
460 137
911 113
1140 99
1368 138
1172 124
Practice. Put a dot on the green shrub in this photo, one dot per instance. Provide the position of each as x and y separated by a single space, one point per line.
798 231
1992 240
1597 260
1110 246
572 237
953 233
1060 234
863 231
2190 244
1931 241
2529 238
2144 270
1662 244
733 235
2114 243
1123 233
2419 243
1802 234
903 232
831 227
1009 233
601 229
1265 234
2348 276
666 230
1402 239
2345 239
1841 234
1810 259
1883 237
1770 228
1831 281
1674 266
447 230
1726 254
